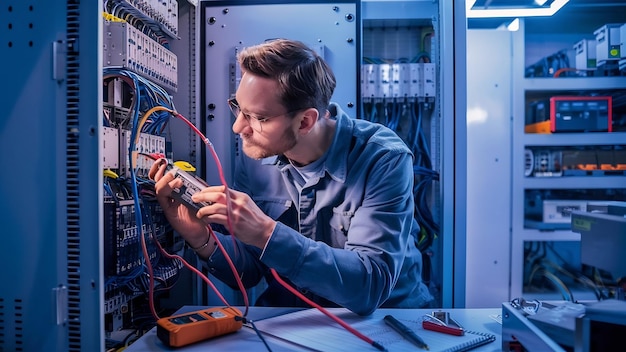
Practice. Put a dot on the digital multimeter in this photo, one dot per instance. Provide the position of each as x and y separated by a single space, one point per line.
191 185
187 328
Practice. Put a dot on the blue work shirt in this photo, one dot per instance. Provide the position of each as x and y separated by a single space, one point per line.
344 239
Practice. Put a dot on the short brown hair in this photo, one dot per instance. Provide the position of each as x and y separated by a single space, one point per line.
304 79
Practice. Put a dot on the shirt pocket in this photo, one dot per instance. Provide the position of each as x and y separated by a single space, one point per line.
273 207
339 226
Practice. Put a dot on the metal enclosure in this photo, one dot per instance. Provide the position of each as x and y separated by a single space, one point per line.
227 26
336 30
52 215
453 188
51 294
447 128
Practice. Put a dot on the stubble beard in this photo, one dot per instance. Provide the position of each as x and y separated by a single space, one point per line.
257 150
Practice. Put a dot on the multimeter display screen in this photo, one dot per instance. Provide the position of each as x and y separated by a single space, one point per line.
217 314
186 319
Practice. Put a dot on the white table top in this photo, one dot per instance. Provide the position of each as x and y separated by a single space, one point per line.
245 339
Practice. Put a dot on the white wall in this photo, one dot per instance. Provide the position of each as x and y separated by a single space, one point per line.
489 81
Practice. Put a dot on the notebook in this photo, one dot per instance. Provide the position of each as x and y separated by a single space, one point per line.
313 330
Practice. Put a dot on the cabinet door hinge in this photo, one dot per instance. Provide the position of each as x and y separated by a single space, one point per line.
60 298
59 60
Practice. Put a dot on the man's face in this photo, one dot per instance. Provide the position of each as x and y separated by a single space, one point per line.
262 122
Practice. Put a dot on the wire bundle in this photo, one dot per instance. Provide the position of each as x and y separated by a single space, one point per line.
540 265
145 95
127 12
405 117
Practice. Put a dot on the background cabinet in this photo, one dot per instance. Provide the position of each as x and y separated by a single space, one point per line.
515 176
430 35
555 173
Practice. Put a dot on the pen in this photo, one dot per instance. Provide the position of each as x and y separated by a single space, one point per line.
405 331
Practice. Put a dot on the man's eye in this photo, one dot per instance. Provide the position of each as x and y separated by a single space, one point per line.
255 117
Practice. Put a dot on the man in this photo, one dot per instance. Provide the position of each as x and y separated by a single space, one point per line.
323 199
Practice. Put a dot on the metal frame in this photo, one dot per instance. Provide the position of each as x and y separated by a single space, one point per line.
53 182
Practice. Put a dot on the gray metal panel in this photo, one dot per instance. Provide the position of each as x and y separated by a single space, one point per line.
46 306
85 198
321 26
488 166
452 184
399 10
517 329
602 240
517 167
185 142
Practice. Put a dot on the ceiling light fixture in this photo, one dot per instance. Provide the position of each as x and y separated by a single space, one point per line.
512 26
555 6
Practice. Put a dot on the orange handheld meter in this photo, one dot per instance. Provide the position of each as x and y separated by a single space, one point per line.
187 328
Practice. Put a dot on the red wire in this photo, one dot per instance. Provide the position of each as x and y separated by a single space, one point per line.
218 163
192 268
233 269
228 205
322 309
204 277
144 249
561 70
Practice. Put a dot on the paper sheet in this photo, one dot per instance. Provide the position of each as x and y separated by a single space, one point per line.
312 329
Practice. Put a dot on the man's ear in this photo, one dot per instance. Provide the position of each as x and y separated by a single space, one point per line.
309 119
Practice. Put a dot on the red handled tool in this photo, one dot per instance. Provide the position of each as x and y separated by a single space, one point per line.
442 322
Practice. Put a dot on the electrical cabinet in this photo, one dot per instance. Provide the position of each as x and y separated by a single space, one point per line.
55 219
50 252
146 52
228 26
568 145
353 36
400 60
406 83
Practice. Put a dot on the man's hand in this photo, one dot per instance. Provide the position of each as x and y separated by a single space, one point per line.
183 220
237 212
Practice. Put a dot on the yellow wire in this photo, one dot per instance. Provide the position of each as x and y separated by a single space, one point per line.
142 121
424 34
110 173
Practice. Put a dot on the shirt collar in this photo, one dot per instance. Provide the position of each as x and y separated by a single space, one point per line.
336 164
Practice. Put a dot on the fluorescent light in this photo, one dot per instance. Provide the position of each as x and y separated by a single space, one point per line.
469 4
522 12
512 26
540 2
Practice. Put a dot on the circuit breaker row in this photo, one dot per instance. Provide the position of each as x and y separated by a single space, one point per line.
115 151
164 12
127 47
402 80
